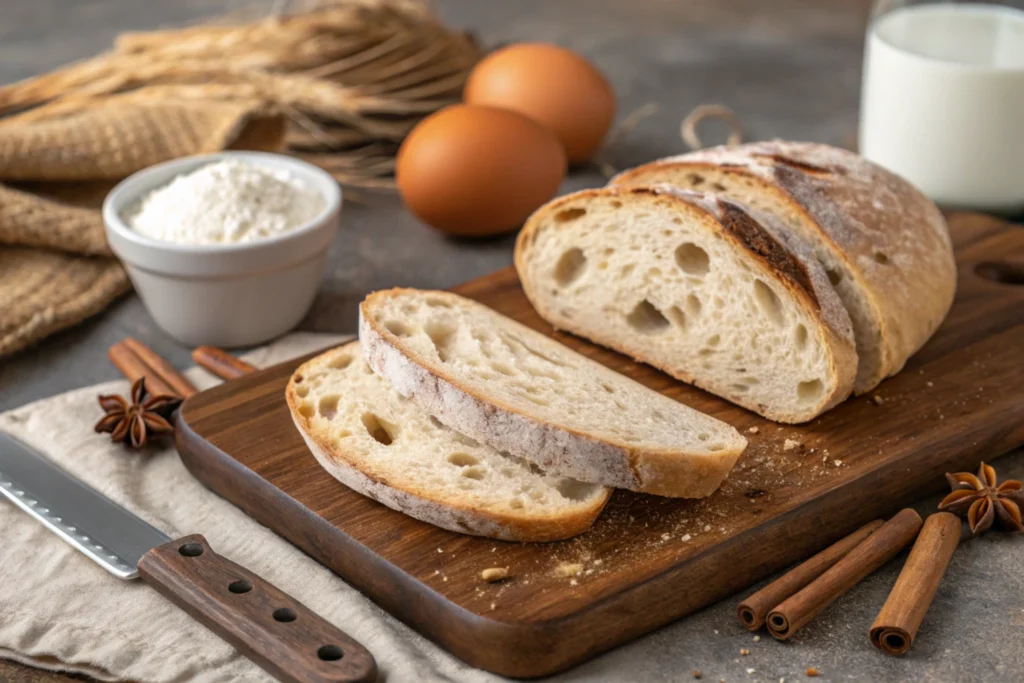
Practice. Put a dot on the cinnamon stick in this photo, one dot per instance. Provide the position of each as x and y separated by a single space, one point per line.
161 368
754 610
874 551
220 362
896 625
132 367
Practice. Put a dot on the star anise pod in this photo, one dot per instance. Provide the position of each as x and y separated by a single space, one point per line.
132 422
983 502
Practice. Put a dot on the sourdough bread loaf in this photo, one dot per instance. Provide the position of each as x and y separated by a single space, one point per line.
517 390
380 444
884 245
712 293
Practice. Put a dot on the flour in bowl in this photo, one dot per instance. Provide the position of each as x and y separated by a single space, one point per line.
224 203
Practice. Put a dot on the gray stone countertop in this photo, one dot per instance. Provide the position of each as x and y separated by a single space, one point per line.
790 69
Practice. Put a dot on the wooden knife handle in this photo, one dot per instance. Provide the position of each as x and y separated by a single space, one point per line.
276 631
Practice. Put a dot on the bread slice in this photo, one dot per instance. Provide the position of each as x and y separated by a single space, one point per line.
381 445
508 386
884 245
710 292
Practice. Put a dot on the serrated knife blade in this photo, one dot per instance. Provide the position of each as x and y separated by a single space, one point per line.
105 532
267 625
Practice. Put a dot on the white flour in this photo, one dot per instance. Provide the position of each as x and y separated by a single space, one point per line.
226 202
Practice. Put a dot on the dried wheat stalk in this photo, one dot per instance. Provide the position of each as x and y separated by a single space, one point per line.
353 76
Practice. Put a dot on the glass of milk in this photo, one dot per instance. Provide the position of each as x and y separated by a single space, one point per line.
942 99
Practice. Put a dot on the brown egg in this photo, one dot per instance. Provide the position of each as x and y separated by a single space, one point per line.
552 85
476 171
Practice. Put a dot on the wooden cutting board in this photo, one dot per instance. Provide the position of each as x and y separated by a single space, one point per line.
648 560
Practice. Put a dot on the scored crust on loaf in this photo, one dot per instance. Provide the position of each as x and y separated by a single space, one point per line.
488 376
381 445
710 292
884 245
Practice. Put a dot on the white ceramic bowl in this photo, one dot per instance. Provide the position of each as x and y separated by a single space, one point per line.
225 294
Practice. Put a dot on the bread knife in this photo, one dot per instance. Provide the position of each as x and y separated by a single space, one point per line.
275 631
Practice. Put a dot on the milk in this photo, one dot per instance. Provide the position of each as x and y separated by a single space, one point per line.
942 102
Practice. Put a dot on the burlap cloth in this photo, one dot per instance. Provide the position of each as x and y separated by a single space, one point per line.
55 266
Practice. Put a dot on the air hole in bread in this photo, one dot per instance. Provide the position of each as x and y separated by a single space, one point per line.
811 391
464 440
834 276
647 319
716 447
574 490
302 391
718 187
676 315
340 362
567 215
442 335
398 328
299 379
607 387
692 259
476 473
463 459
714 340
437 302
703 437
342 434
437 423
615 204
769 302
881 258
516 504
607 251
627 270
382 432
695 180
800 335
570 267
740 388
328 406
306 409
693 304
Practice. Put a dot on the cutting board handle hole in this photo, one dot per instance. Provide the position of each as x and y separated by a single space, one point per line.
191 550
284 615
240 586
1001 271
330 653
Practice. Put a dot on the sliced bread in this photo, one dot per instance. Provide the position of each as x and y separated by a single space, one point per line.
381 445
704 289
517 390
884 245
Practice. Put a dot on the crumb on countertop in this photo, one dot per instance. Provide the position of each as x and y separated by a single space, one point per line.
791 444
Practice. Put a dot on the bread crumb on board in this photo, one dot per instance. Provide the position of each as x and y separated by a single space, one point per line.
494 574
697 673
877 400
812 672
567 569
791 445
754 430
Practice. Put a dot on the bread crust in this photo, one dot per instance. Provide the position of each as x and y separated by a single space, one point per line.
420 502
890 239
807 284
555 448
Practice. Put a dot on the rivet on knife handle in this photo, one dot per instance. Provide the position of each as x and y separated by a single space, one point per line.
276 631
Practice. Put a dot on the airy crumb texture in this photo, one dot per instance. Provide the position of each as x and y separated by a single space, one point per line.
383 446
511 387
708 291
885 245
